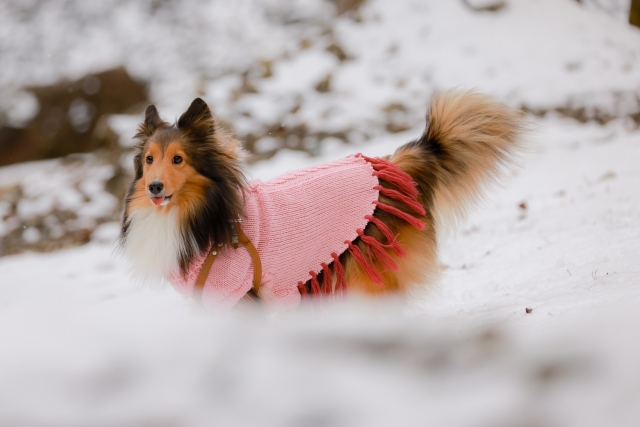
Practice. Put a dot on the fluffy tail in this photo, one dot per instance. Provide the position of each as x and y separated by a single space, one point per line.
468 140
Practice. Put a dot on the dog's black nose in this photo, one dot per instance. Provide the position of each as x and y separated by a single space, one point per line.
156 187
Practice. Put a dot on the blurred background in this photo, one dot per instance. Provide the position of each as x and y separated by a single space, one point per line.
302 75
534 321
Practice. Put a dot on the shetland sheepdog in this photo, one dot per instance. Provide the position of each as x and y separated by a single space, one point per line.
189 182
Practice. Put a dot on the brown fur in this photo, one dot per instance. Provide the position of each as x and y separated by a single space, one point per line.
468 138
182 183
206 186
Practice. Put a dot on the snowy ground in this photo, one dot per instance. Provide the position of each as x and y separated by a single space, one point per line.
84 346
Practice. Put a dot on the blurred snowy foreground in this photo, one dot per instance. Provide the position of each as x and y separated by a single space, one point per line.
535 320
83 346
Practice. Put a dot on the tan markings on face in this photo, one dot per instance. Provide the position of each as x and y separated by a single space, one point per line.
170 167
139 198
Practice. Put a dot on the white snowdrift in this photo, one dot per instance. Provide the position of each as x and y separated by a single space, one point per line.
82 345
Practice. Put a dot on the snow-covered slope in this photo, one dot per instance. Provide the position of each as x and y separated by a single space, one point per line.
82 345
534 322
261 63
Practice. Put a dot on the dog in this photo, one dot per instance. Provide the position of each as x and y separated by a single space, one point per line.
359 225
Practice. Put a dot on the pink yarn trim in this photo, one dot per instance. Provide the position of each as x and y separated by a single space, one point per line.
396 179
327 285
341 281
412 204
379 251
407 194
367 267
315 286
403 215
303 290
392 173
388 234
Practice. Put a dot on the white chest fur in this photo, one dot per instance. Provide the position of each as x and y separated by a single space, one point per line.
154 242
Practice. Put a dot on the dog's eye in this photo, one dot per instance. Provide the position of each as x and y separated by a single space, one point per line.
177 160
149 160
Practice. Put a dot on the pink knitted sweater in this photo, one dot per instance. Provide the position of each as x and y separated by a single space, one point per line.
299 223
296 222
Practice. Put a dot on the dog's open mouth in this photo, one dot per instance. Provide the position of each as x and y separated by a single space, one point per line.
160 201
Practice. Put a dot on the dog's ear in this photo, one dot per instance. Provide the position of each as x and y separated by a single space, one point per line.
198 121
152 121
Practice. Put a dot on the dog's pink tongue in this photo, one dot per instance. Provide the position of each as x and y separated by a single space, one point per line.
157 200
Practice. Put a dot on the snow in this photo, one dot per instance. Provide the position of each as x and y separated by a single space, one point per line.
70 190
542 54
83 344
579 225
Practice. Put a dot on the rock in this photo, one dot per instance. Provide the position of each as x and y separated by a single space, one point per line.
485 5
72 117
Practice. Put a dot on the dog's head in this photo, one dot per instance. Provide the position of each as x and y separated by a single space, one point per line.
190 168
176 165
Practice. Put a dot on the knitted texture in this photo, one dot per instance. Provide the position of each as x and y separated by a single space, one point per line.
299 223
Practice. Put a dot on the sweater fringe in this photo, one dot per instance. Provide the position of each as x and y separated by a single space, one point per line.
378 258
367 267
341 281
315 286
327 282
400 214
392 241
379 251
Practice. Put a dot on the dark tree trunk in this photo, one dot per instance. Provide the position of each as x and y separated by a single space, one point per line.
634 15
